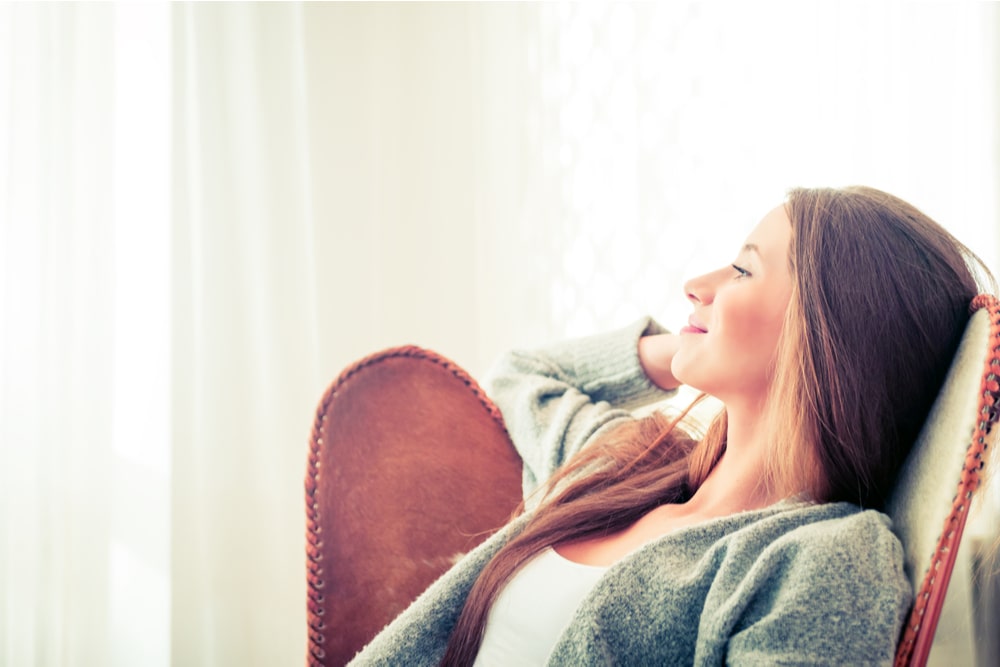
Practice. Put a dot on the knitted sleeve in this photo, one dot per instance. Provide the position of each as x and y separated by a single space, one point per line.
556 399
831 593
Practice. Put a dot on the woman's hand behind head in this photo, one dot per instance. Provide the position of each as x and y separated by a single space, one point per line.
656 353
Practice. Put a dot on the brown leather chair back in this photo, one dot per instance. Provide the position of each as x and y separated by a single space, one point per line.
409 467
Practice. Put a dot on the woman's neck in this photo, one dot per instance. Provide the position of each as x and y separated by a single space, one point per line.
738 481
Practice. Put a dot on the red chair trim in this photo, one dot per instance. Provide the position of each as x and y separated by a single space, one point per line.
314 544
918 633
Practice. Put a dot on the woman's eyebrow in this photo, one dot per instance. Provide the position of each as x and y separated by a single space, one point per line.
751 247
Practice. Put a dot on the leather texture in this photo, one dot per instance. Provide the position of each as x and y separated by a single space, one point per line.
410 467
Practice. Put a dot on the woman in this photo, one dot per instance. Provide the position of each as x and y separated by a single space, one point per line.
826 340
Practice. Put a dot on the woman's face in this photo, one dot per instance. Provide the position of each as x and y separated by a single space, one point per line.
729 346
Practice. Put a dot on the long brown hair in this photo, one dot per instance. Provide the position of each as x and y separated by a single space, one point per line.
879 302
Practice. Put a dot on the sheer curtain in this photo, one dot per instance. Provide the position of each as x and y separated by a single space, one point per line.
84 335
209 209
245 341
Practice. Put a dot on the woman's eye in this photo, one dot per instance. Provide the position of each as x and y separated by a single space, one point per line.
743 273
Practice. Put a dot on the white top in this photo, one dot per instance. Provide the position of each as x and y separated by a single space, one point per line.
533 609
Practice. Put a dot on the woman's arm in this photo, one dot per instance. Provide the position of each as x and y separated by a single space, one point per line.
556 399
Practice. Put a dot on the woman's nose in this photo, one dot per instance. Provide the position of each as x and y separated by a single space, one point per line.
699 290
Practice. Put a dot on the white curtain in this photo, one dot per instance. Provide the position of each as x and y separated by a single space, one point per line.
84 336
207 210
245 339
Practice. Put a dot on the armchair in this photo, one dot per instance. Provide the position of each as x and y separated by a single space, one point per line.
410 466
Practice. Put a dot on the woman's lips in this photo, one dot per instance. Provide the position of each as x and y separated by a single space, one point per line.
694 326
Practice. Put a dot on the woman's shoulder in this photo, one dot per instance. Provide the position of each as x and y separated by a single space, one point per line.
811 539
814 541
825 524
838 543
836 527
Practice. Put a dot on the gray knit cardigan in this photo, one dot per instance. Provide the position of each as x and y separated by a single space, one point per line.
794 583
